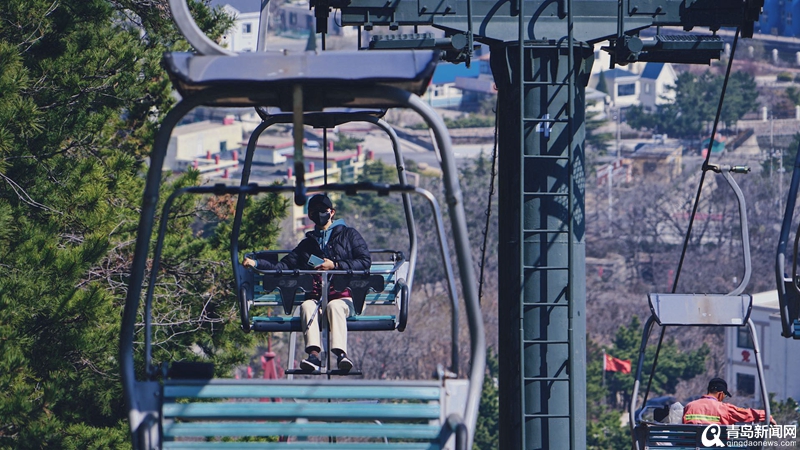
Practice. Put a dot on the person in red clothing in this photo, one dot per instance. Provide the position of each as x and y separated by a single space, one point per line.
709 409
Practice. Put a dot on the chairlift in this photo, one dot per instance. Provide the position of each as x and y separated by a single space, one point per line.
702 310
789 285
395 272
172 408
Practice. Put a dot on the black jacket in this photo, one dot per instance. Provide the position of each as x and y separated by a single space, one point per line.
339 243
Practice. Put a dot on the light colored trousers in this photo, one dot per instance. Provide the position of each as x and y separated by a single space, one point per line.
338 312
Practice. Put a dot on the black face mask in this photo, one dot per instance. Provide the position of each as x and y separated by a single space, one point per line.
321 218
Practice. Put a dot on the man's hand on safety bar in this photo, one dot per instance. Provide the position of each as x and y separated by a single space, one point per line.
327 264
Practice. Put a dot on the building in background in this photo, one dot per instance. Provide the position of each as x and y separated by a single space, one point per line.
654 85
779 354
476 89
243 36
623 87
662 158
292 19
443 91
343 167
206 146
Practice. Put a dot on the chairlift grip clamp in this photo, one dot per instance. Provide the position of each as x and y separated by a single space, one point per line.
718 168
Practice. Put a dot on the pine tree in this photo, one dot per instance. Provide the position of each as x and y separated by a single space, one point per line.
487 434
604 429
81 93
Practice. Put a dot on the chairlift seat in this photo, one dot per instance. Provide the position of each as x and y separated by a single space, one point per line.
394 292
271 74
393 415
680 436
701 309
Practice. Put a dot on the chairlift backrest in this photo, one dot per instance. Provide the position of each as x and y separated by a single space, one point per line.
701 309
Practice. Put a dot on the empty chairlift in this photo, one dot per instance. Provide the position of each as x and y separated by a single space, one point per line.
700 310
168 411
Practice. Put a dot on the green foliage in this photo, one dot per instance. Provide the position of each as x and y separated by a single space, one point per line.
793 94
673 365
470 121
787 156
81 92
380 220
696 101
487 435
603 427
607 433
261 221
785 76
785 412
465 121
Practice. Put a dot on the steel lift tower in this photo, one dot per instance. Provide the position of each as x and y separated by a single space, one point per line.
542 52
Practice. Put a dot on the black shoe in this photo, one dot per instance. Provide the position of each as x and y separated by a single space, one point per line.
344 363
310 364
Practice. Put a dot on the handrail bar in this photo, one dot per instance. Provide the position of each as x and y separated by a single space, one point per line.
221 189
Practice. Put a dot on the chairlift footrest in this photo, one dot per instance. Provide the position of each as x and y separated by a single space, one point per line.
335 372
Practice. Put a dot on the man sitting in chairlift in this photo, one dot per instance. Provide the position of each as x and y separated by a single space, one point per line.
709 409
332 245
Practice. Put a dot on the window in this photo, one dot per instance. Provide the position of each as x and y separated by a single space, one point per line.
647 88
247 28
626 89
745 384
223 146
743 338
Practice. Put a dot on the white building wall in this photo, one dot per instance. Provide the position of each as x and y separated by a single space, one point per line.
626 92
194 141
665 80
648 96
779 355
243 36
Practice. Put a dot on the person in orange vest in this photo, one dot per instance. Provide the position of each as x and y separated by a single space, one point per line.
709 409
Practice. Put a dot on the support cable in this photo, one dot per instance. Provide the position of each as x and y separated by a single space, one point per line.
324 137
488 212
696 202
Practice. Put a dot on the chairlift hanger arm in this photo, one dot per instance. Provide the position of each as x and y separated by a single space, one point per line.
788 291
726 172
